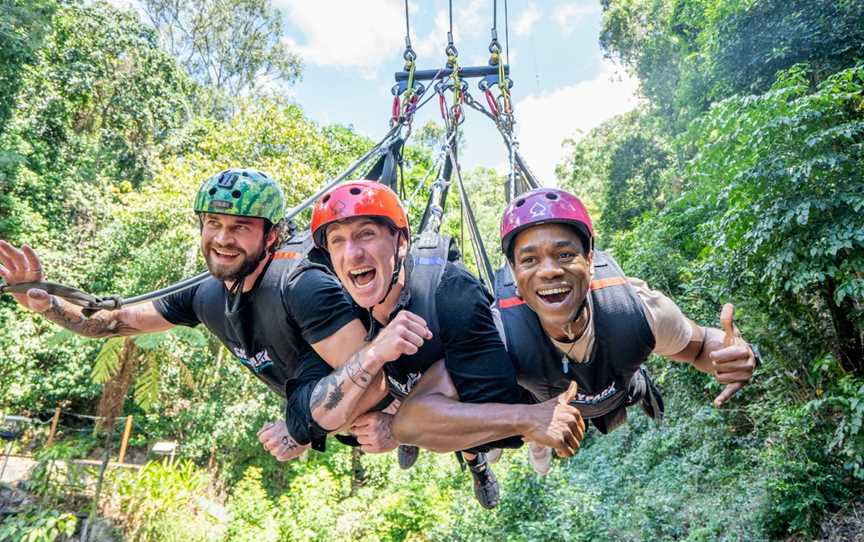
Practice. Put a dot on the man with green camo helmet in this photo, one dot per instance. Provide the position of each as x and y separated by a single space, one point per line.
238 193
242 192
268 306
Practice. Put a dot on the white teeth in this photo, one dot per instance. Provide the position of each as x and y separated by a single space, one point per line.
553 291
356 272
219 252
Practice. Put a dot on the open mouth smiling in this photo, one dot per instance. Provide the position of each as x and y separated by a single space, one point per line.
554 295
362 277
223 254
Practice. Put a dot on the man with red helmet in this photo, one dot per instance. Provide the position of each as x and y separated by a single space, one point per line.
430 309
572 315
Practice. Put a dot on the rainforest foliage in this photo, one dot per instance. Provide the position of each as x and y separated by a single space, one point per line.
739 179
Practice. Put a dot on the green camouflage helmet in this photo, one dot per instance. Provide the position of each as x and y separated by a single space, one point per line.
242 192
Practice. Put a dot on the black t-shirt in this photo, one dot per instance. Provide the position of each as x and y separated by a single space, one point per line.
270 335
472 349
473 353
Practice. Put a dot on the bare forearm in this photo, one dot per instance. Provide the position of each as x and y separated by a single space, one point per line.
443 424
704 341
336 396
103 324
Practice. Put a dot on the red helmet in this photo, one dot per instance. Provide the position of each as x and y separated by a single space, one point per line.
543 206
357 198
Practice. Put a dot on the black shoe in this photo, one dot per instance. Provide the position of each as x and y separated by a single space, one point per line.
485 483
407 456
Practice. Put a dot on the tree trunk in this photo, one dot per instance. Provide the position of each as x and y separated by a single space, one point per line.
358 473
849 348
115 390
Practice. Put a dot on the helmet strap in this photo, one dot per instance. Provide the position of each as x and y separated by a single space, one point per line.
397 268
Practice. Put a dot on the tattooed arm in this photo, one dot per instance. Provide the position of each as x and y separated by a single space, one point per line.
24 265
130 321
336 396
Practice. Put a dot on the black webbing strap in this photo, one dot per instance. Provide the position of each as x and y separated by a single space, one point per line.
484 265
385 168
90 303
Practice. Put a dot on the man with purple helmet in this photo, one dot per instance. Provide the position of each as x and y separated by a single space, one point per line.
569 314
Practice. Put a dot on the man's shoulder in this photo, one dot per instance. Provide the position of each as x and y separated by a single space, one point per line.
456 274
210 288
309 276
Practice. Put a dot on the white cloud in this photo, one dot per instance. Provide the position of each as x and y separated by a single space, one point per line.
568 15
468 19
543 121
347 34
526 20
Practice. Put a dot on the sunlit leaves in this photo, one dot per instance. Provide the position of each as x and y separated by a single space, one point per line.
107 363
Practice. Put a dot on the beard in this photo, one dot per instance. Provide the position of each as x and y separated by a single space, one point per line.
245 264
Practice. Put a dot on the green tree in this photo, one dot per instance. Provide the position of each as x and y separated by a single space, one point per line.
232 47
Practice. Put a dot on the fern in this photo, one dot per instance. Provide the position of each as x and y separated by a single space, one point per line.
147 384
108 361
188 379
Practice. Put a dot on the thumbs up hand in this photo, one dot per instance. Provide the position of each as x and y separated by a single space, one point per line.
735 362
557 424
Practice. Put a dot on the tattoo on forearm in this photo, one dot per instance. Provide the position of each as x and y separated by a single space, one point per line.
319 392
388 428
358 375
99 326
329 393
335 397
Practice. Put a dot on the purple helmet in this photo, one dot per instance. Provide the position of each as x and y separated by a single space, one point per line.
543 206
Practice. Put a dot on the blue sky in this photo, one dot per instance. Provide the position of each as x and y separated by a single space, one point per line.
563 86
350 50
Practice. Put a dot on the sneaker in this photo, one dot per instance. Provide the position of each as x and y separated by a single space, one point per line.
407 456
485 483
493 455
540 458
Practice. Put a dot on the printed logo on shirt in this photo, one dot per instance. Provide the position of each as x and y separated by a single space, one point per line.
405 389
258 363
597 397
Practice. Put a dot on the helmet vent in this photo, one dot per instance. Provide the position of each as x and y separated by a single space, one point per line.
236 194
211 191
355 191
520 203
326 199
551 195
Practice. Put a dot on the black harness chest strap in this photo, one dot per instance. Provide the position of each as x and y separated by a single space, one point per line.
266 313
428 257
611 378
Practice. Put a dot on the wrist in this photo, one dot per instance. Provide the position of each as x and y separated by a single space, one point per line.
370 360
53 303
520 419
757 355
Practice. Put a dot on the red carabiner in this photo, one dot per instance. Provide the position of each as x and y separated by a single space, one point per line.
394 113
442 104
490 99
